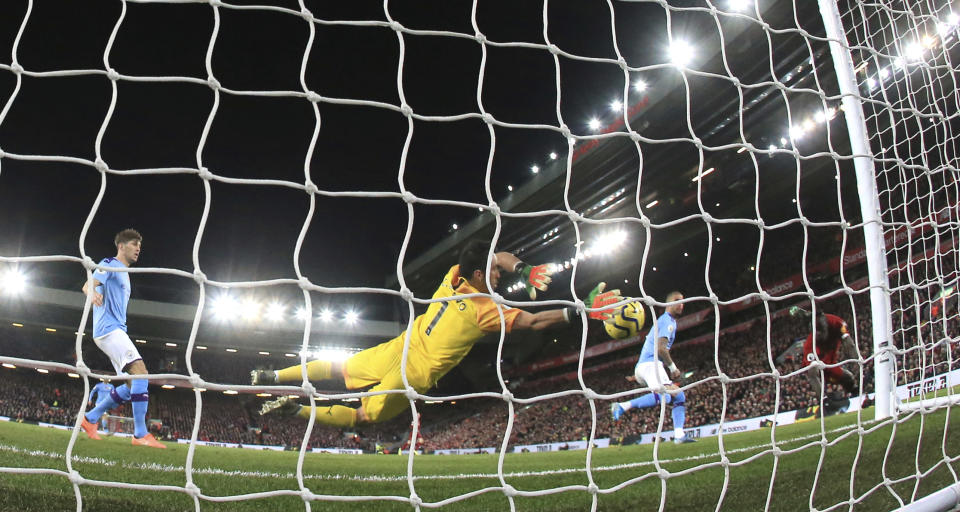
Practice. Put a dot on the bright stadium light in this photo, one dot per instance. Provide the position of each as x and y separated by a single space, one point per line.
680 52
653 203
331 354
639 86
607 243
510 188
275 312
913 51
225 307
616 105
13 282
553 155
704 173
351 317
593 124
738 5
326 315
302 313
455 226
534 168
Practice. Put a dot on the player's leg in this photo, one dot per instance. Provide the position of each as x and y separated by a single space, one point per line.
113 346
316 371
652 375
139 400
679 413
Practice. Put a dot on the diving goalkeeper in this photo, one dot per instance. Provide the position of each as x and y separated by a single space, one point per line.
440 339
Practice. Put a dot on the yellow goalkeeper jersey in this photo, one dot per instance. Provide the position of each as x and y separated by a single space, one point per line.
444 335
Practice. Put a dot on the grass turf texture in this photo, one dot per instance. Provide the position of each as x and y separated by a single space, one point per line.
624 475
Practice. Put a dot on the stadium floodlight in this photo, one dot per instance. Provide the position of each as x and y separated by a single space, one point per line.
43 370
738 5
13 282
73 375
704 173
797 132
275 312
288 354
639 86
535 168
302 313
872 83
351 317
953 18
510 188
608 242
553 155
326 315
17 324
331 354
455 226
168 386
653 203
170 344
8 365
231 350
680 53
225 307
201 347
616 106
913 51
593 124
883 73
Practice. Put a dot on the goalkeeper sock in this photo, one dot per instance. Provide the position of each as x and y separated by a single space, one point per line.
117 397
138 401
334 415
316 370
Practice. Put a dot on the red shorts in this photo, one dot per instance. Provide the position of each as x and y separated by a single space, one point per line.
827 356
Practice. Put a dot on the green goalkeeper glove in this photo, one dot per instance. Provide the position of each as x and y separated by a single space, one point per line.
536 278
597 298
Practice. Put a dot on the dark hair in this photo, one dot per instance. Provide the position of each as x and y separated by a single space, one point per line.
127 235
672 295
473 256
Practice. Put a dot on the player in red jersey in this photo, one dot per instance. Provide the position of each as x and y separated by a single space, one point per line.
832 337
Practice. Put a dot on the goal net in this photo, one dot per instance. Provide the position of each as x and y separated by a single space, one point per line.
772 160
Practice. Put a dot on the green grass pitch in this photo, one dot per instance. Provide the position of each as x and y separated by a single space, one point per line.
625 477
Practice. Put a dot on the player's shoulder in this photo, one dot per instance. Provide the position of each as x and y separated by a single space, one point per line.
110 262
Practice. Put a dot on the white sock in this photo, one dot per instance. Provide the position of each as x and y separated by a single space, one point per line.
678 433
625 406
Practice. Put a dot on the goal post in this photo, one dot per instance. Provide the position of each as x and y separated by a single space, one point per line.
876 252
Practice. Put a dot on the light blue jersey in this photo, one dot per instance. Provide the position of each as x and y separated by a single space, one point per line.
115 287
666 328
101 391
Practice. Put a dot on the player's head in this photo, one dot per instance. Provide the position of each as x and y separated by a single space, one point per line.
473 265
675 309
128 245
821 326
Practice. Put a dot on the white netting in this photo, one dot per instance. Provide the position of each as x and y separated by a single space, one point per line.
774 119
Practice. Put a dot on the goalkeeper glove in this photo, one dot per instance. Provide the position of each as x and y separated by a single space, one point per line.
536 278
597 298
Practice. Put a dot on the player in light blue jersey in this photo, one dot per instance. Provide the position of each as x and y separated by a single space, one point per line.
99 393
650 370
109 293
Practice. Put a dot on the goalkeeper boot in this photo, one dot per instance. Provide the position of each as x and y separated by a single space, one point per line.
616 411
90 429
263 378
283 406
147 440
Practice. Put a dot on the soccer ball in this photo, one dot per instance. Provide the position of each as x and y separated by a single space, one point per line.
626 321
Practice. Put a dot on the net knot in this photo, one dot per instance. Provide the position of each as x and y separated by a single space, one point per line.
552 48
16 68
199 277
565 131
634 136
408 197
303 282
415 500
75 478
213 83
205 174
574 216
509 490
113 75
496 297
311 188
507 396
396 26
488 118
192 490
590 394
706 216
100 165
663 474
216 3
306 14
313 97
306 495
196 381
308 388
410 393
494 209
622 63
592 488
88 263
406 294
480 37
406 110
